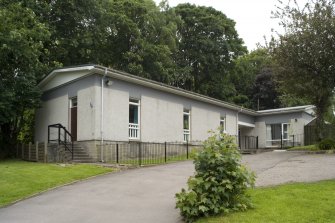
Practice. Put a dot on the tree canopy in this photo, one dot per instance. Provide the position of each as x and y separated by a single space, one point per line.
304 53
207 45
22 39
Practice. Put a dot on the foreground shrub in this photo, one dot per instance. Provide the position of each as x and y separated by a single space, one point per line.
220 181
327 144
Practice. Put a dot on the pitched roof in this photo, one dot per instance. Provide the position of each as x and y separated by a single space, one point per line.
97 69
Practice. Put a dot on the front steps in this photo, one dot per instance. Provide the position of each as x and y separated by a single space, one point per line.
79 155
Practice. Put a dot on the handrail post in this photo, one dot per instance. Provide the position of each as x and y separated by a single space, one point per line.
187 149
49 134
293 140
165 152
72 148
245 142
139 154
281 141
58 135
117 153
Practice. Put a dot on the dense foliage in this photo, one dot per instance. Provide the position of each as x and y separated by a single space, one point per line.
326 144
22 38
304 53
220 181
207 45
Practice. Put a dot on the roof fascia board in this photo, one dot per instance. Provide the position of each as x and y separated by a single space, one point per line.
96 69
167 88
63 70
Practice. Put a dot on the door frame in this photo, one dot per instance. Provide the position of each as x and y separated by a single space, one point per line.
73 106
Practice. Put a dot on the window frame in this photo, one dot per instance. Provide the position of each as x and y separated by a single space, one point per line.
223 120
135 128
72 104
187 132
282 132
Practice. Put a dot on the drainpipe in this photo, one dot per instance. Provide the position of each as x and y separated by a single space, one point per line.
102 116
237 138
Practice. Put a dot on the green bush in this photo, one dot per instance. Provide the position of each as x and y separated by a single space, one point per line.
220 181
327 144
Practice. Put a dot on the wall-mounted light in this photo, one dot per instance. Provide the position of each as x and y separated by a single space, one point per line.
109 82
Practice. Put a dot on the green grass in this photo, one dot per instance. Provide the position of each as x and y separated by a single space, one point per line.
305 148
312 202
20 179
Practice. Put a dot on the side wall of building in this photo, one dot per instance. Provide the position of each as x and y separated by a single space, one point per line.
296 120
161 114
55 108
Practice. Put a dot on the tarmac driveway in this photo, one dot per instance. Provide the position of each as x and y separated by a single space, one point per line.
147 194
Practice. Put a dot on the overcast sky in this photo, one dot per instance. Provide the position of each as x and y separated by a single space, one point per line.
252 17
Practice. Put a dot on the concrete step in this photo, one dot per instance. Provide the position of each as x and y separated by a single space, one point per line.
79 155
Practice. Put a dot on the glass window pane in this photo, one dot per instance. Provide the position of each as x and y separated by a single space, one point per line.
74 102
133 114
268 132
285 131
186 121
273 132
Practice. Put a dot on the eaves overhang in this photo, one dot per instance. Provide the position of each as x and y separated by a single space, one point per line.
170 89
100 70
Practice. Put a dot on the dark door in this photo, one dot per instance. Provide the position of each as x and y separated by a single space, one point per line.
73 107
74 123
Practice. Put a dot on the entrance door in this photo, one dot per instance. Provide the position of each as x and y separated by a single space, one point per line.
73 110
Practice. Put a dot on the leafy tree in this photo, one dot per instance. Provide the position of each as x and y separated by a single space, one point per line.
244 73
265 95
21 46
149 40
207 45
304 54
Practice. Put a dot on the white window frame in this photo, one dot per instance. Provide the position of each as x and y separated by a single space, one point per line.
71 102
134 129
281 131
223 120
187 132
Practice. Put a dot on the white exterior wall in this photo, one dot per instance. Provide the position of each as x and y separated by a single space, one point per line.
116 114
55 109
161 120
52 111
161 114
87 122
203 120
296 120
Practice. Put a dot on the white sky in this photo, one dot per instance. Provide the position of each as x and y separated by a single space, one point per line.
252 17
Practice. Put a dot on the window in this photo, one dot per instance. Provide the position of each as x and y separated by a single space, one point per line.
223 124
275 133
186 125
73 102
134 119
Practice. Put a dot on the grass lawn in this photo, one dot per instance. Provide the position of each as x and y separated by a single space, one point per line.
300 202
305 148
19 179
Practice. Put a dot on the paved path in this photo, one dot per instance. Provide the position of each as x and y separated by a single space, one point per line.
147 194
273 168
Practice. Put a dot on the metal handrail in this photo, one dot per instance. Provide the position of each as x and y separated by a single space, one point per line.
59 139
